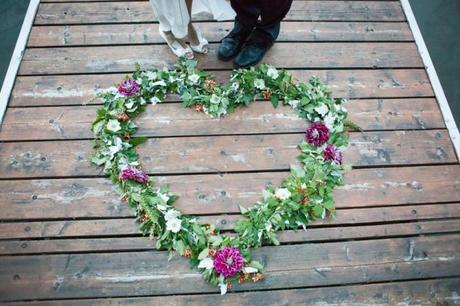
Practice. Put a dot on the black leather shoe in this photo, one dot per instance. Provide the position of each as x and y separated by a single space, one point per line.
231 44
254 49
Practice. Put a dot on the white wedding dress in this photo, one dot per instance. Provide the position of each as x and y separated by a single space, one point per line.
173 14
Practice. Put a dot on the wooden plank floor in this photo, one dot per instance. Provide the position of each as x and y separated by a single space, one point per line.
66 239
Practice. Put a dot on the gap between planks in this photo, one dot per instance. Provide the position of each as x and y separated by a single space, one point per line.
428 291
134 243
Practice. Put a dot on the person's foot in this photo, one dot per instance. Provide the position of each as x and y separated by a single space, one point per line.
192 35
231 44
254 49
177 46
198 43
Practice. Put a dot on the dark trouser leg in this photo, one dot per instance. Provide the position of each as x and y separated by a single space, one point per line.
265 32
258 35
247 12
245 21
272 12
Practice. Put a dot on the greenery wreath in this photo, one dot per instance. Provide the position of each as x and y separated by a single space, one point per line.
305 195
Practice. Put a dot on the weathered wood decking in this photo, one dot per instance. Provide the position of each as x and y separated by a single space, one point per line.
65 238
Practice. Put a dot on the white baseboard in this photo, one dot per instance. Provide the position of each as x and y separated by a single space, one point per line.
15 61
433 76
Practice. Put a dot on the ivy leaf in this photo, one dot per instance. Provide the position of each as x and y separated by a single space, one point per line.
323 215
206 263
274 240
203 254
329 204
136 197
135 141
180 247
350 124
298 171
275 101
318 210
215 240
257 265
98 161
101 113
98 126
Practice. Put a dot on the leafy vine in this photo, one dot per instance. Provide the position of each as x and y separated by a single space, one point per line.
305 195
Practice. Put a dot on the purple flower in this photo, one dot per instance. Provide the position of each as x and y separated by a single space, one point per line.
128 88
131 173
317 134
228 261
333 154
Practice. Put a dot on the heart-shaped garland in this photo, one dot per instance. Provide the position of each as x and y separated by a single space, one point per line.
305 195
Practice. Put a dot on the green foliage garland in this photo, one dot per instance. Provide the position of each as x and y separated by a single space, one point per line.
305 195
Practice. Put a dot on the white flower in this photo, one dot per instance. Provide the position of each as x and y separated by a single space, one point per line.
117 141
214 99
154 100
223 289
161 207
118 96
151 75
266 194
113 150
108 166
129 104
206 263
268 227
113 125
174 225
164 197
194 78
171 215
235 86
322 110
112 90
259 84
222 112
259 234
329 121
303 186
294 103
116 147
222 285
159 83
123 163
282 194
249 270
272 72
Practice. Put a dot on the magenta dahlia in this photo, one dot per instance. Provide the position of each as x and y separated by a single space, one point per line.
128 88
332 153
131 173
228 261
317 134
